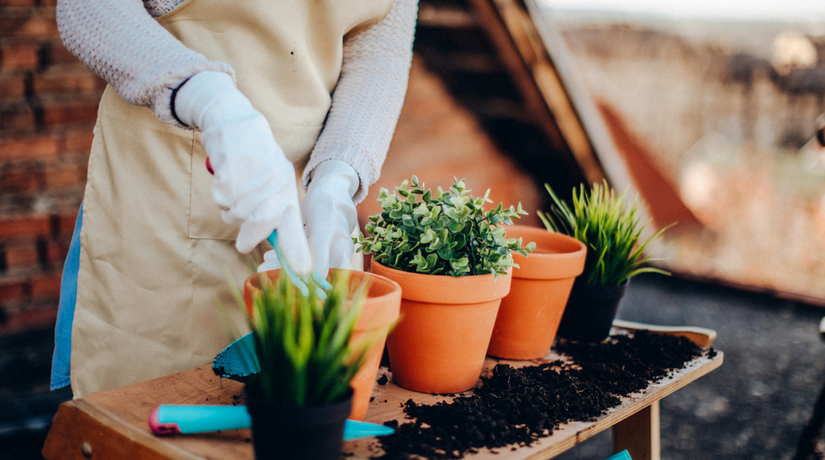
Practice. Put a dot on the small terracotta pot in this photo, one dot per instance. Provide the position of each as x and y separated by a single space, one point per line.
380 310
530 314
440 342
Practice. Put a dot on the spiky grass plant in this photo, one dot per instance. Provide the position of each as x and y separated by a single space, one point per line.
609 227
304 344
441 233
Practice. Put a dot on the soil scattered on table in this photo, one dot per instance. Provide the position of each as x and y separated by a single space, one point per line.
518 406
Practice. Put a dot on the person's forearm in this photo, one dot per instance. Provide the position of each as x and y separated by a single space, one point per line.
122 43
369 95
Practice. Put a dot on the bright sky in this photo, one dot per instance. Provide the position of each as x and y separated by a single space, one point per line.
805 10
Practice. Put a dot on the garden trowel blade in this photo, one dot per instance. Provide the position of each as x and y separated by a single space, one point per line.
238 360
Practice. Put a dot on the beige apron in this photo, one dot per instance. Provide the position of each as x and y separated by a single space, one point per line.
156 258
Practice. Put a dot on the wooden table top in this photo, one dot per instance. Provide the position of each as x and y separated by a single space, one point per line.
114 424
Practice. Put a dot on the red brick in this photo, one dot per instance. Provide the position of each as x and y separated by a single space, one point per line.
68 112
46 286
30 226
78 141
20 181
13 290
18 57
17 2
57 54
65 82
18 117
56 253
65 224
32 148
65 176
12 87
22 256
28 26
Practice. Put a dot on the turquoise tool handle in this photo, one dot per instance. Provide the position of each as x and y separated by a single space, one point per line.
167 419
623 455
181 419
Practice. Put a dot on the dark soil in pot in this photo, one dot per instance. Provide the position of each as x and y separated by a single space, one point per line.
518 406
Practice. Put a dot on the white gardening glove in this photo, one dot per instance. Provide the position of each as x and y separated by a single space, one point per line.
254 182
330 215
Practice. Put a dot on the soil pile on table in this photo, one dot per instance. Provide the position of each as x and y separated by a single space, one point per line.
517 406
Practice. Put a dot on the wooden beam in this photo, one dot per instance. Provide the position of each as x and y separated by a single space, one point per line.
639 434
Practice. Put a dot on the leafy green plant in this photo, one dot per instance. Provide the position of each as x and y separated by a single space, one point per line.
441 233
303 343
610 229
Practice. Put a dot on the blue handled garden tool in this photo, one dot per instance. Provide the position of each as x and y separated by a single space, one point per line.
183 419
239 360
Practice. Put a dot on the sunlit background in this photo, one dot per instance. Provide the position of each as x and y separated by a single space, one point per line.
722 97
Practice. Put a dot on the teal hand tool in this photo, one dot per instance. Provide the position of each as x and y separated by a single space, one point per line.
183 419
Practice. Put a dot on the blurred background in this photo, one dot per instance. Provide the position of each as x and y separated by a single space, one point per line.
706 109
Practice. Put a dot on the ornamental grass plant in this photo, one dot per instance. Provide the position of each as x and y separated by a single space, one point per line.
441 232
304 344
608 224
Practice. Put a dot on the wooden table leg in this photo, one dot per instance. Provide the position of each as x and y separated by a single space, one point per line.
639 434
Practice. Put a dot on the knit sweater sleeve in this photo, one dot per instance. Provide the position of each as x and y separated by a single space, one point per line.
120 41
367 100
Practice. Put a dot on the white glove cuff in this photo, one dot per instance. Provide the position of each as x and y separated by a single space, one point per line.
337 170
209 98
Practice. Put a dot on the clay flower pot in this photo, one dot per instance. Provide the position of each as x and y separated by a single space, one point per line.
590 311
530 314
299 433
440 342
380 310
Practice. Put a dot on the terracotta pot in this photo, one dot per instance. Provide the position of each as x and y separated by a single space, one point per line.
530 314
440 342
590 312
300 433
380 310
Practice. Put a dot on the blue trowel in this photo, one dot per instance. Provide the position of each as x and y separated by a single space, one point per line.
238 360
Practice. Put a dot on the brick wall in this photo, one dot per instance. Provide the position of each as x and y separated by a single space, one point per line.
48 102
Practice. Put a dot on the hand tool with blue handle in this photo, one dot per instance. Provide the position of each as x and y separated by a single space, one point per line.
182 419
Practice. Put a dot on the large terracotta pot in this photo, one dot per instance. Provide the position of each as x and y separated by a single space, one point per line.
530 314
379 312
440 342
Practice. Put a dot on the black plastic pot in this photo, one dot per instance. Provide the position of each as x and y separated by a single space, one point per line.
590 311
301 433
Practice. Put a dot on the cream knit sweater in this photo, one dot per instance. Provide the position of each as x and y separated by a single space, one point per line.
120 41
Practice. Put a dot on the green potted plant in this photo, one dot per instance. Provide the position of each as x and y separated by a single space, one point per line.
608 224
453 262
301 397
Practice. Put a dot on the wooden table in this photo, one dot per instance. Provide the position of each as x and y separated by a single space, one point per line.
113 425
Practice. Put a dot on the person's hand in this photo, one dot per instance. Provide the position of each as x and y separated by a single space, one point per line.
254 182
330 215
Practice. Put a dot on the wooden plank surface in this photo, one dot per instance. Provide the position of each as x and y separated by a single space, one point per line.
115 422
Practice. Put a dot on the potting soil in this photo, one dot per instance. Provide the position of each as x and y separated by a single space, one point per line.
515 407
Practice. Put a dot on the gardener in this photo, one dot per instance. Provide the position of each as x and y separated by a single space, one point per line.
250 86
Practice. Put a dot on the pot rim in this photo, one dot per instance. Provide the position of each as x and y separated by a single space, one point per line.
381 307
460 290
565 257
